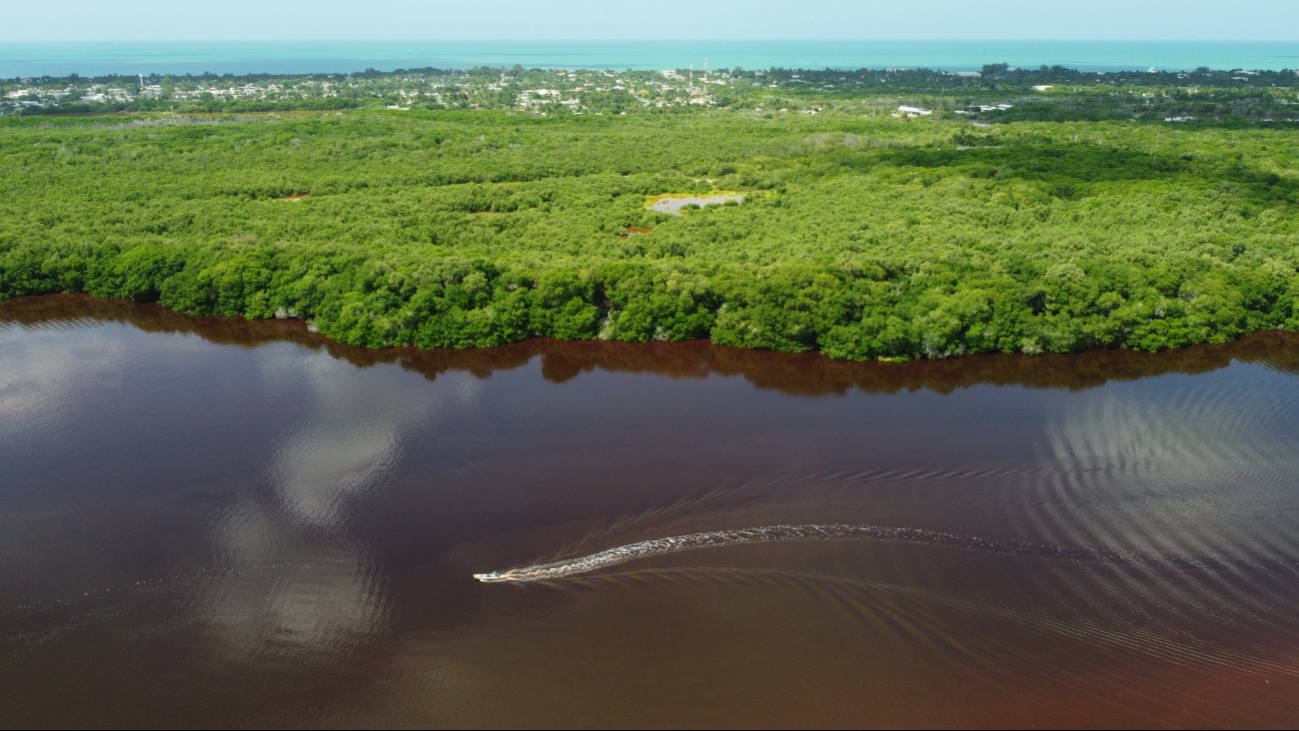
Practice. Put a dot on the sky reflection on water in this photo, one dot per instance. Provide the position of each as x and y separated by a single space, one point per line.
215 522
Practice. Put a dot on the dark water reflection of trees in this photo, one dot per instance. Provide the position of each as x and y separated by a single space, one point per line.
807 374
300 552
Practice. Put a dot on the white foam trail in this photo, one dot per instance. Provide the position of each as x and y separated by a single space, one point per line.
780 533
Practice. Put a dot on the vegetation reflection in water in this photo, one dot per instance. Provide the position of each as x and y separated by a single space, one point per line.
807 374
1147 536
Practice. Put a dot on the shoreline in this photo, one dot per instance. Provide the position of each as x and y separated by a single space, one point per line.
810 373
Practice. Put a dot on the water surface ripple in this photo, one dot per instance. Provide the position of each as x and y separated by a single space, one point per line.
208 521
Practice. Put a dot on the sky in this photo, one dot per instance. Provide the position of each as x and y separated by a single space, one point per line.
159 20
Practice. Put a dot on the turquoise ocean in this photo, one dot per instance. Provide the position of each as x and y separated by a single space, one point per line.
23 59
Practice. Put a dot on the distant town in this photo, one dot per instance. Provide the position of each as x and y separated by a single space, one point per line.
998 92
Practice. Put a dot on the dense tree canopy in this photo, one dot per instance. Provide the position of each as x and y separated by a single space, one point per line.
861 236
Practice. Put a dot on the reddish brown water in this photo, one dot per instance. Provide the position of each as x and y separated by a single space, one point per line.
210 522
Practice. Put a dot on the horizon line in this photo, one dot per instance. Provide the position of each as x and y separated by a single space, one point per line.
620 39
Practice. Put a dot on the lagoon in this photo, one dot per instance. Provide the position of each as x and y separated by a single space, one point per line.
211 521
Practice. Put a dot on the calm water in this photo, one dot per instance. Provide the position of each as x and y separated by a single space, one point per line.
281 57
216 523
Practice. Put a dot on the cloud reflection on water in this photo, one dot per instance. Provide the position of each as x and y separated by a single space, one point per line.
295 580
236 500
44 375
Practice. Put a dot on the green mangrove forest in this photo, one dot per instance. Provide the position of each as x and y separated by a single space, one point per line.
860 234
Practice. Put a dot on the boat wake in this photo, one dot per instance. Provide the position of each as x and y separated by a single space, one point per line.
784 533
